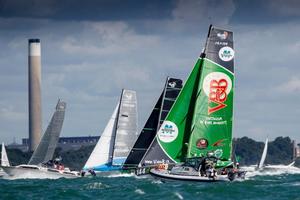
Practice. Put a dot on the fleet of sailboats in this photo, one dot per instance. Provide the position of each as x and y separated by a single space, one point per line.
188 135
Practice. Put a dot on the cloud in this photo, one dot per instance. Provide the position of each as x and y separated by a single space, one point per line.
9 113
213 11
109 38
291 86
91 10
284 7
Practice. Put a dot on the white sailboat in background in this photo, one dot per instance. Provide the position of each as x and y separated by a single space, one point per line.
261 165
38 166
4 159
263 156
117 138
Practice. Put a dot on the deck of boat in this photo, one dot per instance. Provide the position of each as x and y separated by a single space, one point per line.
166 175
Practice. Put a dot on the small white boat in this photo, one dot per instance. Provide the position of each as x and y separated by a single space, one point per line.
38 172
262 167
261 163
38 166
4 159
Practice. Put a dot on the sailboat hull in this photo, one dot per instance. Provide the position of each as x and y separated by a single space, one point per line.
163 173
2 173
36 172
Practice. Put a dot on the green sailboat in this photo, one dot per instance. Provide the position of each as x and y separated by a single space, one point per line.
199 125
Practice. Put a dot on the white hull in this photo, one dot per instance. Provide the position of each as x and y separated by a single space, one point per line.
165 174
19 172
290 166
2 173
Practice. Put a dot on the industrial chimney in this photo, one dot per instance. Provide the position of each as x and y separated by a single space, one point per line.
34 93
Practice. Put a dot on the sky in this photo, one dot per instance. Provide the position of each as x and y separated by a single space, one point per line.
91 50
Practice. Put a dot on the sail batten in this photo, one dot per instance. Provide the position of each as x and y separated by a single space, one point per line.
45 150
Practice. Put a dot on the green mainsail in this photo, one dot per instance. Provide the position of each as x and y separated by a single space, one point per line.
200 120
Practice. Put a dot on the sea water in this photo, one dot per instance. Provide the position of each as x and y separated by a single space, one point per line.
271 185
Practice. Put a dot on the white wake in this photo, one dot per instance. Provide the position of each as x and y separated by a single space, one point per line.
270 170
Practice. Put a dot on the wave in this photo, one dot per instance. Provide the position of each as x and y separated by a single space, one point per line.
115 175
270 170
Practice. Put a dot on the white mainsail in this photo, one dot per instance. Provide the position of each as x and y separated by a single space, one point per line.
4 158
102 152
264 155
126 133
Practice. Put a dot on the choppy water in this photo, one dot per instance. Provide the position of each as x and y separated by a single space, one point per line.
274 184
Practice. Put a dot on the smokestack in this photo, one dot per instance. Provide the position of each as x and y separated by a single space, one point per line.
34 90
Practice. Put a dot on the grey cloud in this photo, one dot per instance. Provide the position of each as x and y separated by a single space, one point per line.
86 10
284 7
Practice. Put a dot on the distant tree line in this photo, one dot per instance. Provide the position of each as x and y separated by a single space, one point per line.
280 151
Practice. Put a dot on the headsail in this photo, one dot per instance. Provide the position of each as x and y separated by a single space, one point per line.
263 156
4 158
162 107
47 145
200 121
102 153
126 133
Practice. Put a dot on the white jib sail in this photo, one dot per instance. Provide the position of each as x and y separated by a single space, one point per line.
263 157
102 152
4 158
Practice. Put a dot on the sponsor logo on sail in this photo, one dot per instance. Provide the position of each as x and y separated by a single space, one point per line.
218 153
226 53
202 143
223 36
168 132
217 86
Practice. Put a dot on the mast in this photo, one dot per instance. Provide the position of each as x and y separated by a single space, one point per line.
115 130
162 105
